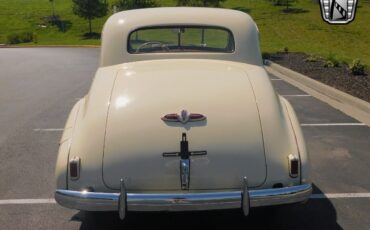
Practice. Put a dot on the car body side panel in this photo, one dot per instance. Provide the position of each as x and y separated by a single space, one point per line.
88 137
64 146
303 153
278 136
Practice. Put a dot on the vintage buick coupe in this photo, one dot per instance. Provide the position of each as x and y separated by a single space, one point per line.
181 116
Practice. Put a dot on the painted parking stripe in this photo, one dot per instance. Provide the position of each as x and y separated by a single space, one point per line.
339 195
48 130
335 124
313 196
276 79
28 201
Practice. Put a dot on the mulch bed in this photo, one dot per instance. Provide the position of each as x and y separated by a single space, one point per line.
338 77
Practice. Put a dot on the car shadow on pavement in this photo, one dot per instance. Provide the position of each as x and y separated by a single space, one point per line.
315 214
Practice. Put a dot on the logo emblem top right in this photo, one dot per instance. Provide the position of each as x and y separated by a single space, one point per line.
338 11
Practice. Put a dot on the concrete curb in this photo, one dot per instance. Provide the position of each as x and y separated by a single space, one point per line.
350 105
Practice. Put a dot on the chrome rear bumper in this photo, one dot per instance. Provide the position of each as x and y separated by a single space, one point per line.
122 202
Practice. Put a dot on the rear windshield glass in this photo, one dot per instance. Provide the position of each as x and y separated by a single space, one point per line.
180 39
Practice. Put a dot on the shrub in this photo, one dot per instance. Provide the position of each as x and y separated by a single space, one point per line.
204 3
312 58
266 55
286 50
35 37
357 68
17 38
26 36
331 62
13 39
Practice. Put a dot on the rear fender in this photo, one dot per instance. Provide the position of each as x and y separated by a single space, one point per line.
65 145
303 154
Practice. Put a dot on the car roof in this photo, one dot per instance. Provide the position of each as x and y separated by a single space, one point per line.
118 27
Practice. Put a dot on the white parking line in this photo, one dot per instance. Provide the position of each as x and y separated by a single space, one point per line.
47 130
276 79
313 196
335 124
340 195
28 201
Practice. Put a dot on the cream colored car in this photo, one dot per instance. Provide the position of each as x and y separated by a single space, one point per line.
181 116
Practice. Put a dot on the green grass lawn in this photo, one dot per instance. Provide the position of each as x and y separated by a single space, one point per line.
300 31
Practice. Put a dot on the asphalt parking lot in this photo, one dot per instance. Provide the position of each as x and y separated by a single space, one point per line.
38 87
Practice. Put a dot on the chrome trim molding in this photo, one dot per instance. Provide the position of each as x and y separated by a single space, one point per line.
122 202
185 173
245 197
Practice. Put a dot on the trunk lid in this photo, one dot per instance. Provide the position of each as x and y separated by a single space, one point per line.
136 137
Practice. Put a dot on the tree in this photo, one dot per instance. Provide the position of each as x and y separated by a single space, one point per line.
90 9
204 3
135 4
211 3
52 5
285 3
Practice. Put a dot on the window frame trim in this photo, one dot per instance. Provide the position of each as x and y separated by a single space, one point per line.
231 35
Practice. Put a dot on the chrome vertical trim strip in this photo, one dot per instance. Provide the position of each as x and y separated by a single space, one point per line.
185 173
245 197
122 201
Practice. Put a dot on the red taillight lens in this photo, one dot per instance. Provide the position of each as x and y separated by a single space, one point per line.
293 166
196 116
74 168
171 117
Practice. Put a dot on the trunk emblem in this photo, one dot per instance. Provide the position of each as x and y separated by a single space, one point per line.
183 116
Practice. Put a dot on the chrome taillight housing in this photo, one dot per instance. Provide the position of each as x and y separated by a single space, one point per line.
74 168
293 162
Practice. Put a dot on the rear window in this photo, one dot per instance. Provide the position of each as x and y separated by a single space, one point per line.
175 39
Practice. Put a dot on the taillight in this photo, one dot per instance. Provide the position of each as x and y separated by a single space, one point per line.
293 165
196 116
74 168
170 117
